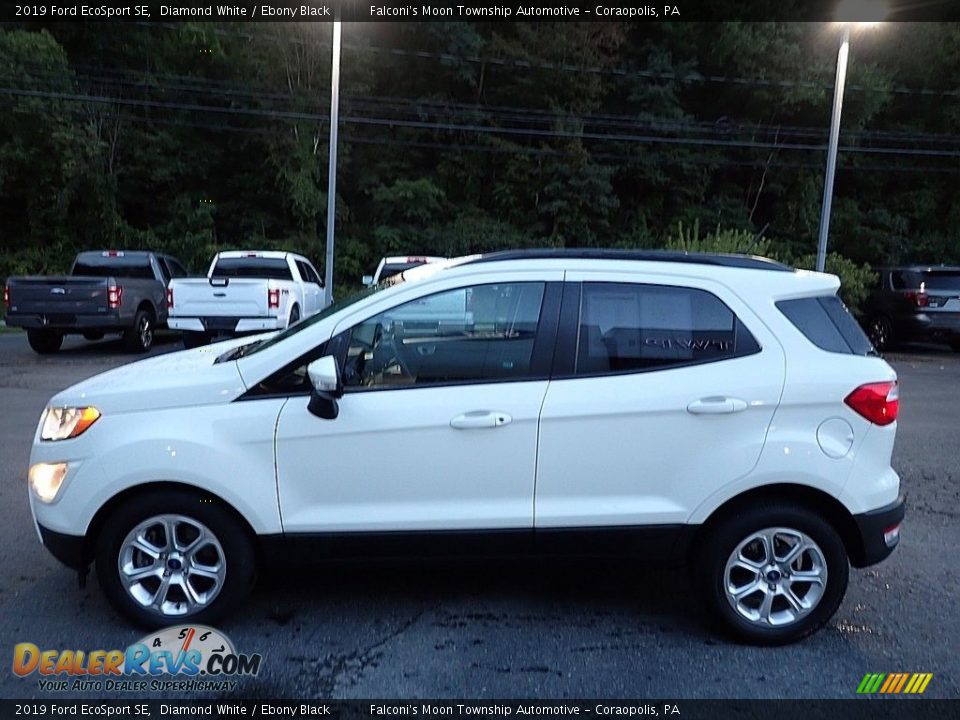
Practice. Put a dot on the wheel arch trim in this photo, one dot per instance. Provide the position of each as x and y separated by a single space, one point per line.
99 518
810 498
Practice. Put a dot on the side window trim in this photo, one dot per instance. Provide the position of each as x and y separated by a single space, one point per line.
328 347
568 331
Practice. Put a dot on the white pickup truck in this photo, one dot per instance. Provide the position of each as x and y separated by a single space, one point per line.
244 292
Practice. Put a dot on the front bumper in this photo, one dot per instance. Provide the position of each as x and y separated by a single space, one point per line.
71 550
877 536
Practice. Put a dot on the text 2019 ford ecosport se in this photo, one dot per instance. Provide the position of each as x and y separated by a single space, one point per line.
721 410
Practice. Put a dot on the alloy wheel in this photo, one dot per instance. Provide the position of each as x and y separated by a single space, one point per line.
146 332
775 577
172 565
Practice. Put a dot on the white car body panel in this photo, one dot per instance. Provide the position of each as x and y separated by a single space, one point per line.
613 450
639 425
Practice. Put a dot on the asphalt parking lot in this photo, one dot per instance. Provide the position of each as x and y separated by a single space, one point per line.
521 631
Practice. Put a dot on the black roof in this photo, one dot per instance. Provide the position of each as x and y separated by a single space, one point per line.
726 260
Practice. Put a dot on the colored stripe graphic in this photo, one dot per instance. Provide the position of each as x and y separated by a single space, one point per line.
894 683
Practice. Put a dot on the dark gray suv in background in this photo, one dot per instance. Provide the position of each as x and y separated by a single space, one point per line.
915 302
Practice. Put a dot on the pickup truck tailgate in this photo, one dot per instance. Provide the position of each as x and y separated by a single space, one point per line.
227 297
67 295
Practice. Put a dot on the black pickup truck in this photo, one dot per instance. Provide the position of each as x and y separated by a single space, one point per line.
113 291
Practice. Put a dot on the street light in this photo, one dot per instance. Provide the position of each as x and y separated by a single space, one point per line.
332 171
863 14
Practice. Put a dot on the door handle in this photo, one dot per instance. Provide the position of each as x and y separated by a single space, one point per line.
716 405
480 419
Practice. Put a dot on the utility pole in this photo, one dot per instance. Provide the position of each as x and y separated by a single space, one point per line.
332 173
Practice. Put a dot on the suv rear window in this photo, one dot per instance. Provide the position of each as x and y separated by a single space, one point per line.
253 267
825 321
942 280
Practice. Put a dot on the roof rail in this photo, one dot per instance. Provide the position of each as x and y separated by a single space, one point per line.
752 262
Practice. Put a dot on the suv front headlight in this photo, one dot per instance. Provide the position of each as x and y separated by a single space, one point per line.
61 423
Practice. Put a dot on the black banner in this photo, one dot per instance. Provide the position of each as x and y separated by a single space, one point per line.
866 709
475 10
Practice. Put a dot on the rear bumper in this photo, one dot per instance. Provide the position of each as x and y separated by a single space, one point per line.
879 532
932 324
68 549
67 322
224 325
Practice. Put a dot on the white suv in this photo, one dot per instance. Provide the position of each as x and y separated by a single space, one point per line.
724 410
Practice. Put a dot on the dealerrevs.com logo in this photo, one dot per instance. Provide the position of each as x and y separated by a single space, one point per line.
180 658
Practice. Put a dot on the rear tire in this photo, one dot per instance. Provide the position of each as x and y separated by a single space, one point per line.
194 339
763 596
139 338
954 344
294 316
880 332
203 556
45 342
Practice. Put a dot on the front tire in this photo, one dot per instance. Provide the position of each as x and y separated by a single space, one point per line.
772 574
166 557
45 342
139 338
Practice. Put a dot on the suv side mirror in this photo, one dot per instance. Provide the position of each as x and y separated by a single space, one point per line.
367 280
324 376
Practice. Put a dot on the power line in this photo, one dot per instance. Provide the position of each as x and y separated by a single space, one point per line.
451 109
474 128
522 150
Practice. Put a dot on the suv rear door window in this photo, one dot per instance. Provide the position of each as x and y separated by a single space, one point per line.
626 327
825 321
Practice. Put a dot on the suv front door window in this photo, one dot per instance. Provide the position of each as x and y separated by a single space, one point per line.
478 334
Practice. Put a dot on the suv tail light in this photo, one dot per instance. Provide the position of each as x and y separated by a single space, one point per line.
169 298
877 402
273 298
918 298
6 295
114 296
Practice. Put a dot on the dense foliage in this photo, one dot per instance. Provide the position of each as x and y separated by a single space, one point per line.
459 137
